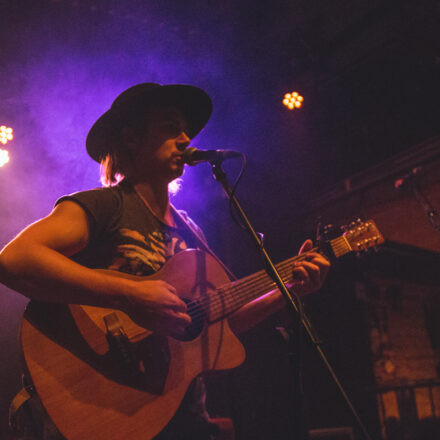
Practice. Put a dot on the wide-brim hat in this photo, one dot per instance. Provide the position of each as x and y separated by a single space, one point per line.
194 103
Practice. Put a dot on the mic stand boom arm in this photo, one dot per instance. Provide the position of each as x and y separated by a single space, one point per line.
291 299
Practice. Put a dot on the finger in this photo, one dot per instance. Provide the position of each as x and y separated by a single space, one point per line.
173 301
313 271
322 262
306 246
171 323
169 287
179 307
316 256
183 318
309 273
299 273
324 265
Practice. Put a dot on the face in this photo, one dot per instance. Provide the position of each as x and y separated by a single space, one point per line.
160 150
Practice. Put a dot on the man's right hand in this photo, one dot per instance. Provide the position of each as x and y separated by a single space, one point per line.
154 305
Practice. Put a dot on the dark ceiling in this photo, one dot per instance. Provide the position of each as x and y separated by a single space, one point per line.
369 69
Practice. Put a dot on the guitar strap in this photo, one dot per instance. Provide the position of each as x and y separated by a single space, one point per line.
201 242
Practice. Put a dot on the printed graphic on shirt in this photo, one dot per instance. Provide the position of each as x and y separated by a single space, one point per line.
142 255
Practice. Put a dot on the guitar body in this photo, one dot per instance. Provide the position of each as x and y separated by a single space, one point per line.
91 391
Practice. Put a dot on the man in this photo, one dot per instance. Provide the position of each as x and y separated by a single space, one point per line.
131 227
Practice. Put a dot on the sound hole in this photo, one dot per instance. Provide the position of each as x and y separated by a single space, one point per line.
197 313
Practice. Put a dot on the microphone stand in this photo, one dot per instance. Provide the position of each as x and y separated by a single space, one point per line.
291 298
411 182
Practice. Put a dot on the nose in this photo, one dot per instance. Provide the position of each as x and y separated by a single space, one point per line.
183 141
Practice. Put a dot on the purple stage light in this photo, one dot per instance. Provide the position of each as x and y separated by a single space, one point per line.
6 134
4 157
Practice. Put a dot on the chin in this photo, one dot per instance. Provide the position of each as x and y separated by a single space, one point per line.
178 171
174 174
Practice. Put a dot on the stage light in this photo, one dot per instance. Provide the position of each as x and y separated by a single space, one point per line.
6 134
4 157
174 186
293 100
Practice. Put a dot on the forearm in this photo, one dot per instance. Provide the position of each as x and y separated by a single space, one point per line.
256 311
41 273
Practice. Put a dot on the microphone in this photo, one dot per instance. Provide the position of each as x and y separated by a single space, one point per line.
192 156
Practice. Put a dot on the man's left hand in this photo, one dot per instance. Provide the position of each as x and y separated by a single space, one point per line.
310 273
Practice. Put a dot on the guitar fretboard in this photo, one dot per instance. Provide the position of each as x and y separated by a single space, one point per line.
232 296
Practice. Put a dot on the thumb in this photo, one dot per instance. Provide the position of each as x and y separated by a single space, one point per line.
307 245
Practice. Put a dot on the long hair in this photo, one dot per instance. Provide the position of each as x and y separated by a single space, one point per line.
115 164
110 170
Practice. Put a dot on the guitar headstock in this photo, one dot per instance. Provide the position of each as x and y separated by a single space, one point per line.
357 237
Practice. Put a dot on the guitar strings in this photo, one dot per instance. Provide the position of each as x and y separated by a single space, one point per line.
226 304
231 297
224 294
257 281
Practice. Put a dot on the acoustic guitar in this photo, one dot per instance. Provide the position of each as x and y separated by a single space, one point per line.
101 376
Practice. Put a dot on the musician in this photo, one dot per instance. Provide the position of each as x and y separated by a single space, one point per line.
130 226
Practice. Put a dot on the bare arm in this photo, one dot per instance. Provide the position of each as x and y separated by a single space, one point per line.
36 264
309 276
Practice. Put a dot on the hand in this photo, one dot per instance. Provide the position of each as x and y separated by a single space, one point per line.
155 306
309 274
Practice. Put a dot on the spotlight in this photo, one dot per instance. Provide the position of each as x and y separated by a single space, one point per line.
293 100
6 134
4 157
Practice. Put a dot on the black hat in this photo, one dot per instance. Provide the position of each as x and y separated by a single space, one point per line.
193 102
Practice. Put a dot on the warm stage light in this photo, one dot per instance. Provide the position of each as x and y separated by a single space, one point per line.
4 157
6 134
293 100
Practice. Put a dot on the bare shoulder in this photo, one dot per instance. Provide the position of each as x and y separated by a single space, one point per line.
66 229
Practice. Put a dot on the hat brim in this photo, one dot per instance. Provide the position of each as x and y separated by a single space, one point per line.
193 102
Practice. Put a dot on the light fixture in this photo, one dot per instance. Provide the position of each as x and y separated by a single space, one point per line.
6 134
4 157
293 100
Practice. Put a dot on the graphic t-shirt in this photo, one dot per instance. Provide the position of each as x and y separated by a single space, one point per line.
125 235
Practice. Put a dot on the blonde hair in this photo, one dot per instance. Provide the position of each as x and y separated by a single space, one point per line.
110 170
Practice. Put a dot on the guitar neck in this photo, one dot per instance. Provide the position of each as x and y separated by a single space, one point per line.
231 297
